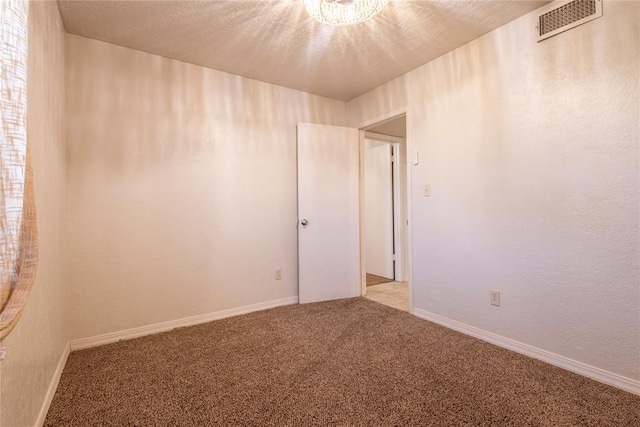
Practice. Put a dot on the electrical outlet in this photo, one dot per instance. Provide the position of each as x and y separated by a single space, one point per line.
495 298
278 274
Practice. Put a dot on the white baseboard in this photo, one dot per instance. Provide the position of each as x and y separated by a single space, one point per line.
53 386
615 380
172 324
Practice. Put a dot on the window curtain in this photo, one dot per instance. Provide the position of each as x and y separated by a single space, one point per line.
18 228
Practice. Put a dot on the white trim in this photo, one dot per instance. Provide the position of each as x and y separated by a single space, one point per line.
361 219
408 191
408 166
606 377
398 217
399 202
53 386
172 324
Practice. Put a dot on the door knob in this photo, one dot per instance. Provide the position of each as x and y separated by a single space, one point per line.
304 222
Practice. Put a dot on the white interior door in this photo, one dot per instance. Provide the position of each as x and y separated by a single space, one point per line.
378 205
328 212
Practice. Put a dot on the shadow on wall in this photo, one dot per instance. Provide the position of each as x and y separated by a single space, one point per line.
129 110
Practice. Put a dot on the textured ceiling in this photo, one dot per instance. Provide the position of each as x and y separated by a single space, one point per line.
278 42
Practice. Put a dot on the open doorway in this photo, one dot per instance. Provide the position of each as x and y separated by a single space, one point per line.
385 213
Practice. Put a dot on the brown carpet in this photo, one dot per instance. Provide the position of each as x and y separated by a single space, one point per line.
373 280
350 362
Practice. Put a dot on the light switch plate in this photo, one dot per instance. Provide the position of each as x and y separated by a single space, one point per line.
426 190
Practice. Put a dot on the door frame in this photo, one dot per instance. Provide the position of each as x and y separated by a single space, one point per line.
398 201
406 156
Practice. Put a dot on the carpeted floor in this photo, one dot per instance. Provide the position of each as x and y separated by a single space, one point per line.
341 363
373 280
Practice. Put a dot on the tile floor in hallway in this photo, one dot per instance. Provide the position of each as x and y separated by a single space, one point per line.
393 294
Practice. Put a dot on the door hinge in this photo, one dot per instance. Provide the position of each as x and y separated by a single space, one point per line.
393 158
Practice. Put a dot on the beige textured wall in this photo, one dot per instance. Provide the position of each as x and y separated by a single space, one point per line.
35 346
182 187
531 150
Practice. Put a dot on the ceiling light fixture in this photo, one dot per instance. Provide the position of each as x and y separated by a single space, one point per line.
343 12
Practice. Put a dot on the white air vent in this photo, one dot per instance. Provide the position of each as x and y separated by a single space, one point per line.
564 15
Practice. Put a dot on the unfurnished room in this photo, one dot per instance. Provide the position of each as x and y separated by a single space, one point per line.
319 213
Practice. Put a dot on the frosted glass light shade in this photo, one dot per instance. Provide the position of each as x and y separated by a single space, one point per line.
343 12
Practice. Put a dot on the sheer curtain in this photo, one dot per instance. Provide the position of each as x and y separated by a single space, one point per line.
18 227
